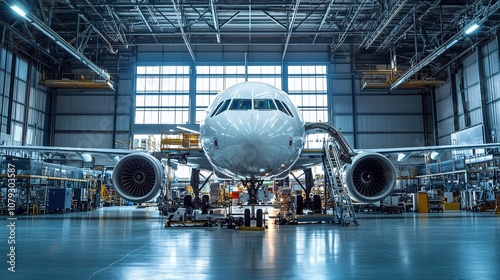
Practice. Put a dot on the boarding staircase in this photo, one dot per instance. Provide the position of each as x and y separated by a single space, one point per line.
334 171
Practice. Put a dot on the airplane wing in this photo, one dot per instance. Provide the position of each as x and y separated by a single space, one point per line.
312 157
195 157
434 152
106 157
138 177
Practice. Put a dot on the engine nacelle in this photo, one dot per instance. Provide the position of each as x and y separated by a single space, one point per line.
138 177
370 177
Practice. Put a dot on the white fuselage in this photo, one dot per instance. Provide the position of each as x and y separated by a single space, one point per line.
252 131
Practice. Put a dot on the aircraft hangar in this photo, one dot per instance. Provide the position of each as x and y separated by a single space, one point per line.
133 144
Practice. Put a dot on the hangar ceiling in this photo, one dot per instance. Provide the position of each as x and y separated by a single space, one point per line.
413 30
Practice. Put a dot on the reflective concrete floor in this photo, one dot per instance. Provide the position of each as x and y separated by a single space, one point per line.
130 243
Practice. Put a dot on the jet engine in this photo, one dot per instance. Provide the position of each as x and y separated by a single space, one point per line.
370 177
138 177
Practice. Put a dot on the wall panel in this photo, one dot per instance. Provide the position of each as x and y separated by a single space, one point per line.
373 140
390 123
83 140
389 104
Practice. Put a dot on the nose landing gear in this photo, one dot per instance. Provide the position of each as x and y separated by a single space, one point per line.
253 219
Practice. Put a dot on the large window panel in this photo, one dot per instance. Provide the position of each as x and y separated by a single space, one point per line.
153 84
151 116
152 100
307 88
139 116
140 84
162 94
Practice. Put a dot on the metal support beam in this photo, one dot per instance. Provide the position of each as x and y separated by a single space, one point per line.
483 96
454 98
351 22
109 46
323 20
229 19
290 28
65 45
184 37
448 44
464 97
274 20
216 20
192 93
384 25
165 17
146 22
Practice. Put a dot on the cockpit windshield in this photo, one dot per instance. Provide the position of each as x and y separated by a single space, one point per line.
246 104
264 104
223 107
241 104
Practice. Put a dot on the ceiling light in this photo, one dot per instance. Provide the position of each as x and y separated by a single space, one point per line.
471 28
187 129
451 43
18 10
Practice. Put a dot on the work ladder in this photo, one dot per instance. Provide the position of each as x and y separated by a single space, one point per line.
334 170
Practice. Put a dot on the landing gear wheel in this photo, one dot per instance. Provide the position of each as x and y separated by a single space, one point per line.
300 205
188 201
317 203
247 217
259 217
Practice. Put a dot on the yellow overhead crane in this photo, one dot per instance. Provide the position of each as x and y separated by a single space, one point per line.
76 80
383 79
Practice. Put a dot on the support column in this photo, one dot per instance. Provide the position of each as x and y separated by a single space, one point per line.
11 94
192 93
27 92
115 109
484 97
284 77
454 97
353 96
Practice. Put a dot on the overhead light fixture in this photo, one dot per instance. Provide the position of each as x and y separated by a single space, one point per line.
57 39
187 129
471 28
451 43
18 10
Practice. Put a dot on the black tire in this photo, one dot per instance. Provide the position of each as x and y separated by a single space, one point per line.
247 217
317 203
259 218
204 204
300 205
188 202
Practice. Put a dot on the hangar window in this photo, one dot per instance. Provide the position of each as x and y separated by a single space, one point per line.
307 88
162 94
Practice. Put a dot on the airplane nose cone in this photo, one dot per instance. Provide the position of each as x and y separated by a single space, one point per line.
252 146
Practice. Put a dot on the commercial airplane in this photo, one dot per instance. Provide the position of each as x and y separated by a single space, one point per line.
252 132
